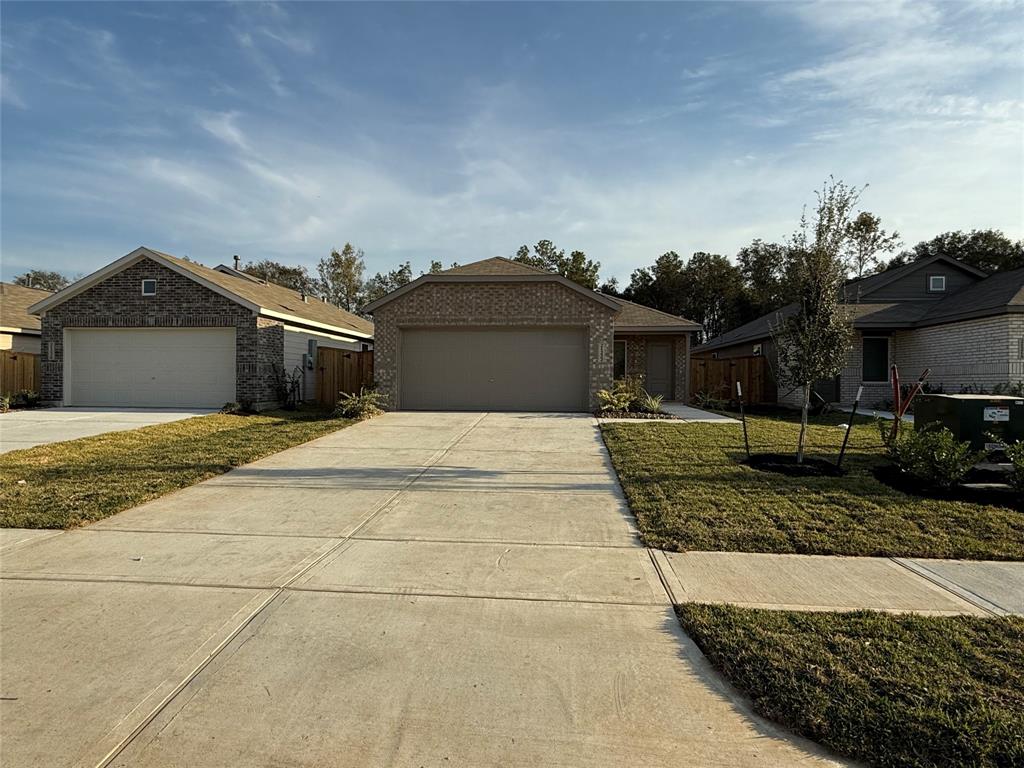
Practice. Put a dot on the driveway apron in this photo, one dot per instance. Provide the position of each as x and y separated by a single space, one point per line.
458 589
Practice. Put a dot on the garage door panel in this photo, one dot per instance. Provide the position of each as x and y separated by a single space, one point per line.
527 369
155 367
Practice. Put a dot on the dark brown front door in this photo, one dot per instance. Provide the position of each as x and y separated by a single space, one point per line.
659 368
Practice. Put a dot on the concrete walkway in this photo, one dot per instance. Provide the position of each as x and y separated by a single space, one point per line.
420 589
816 583
39 426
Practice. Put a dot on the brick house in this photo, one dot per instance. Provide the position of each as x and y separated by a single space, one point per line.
500 335
19 330
154 330
937 313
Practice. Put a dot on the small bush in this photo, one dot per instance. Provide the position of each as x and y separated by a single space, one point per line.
1015 453
651 403
364 405
5 403
710 401
627 395
931 455
231 408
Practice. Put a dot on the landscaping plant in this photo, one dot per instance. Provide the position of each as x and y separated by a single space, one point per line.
365 404
813 342
627 395
1015 453
932 455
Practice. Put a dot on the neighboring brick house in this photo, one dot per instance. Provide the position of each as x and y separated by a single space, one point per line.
154 330
500 335
19 330
937 313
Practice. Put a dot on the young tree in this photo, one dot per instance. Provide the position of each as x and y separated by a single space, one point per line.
296 278
813 343
341 277
867 241
42 279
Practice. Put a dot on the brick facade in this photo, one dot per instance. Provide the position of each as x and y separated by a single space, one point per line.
636 359
482 304
180 302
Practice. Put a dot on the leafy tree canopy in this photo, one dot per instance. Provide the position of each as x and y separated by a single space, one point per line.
986 249
576 266
43 279
341 277
297 278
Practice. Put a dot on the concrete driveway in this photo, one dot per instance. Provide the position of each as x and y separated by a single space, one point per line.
26 428
420 589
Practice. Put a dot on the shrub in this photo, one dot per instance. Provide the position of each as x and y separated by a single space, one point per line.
1011 388
651 403
1015 453
710 401
931 455
230 408
364 405
5 403
626 395
28 398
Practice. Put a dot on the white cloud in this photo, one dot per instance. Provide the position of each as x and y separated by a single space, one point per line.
223 126
9 94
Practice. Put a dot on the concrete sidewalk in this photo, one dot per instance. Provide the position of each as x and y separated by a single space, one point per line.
821 583
420 589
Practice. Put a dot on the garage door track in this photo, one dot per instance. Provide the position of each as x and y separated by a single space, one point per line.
420 589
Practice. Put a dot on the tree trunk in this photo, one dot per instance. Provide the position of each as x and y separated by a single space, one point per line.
803 424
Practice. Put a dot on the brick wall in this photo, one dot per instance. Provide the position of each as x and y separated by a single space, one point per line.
491 304
636 359
180 302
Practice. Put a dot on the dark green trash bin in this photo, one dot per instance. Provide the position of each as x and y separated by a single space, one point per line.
973 417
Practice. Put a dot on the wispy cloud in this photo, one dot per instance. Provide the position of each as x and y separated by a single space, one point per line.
9 94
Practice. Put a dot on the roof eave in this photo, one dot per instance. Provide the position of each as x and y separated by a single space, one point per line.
23 331
656 329
340 330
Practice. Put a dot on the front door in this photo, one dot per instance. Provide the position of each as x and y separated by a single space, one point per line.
659 368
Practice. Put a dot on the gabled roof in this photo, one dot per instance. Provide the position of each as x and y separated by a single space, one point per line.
266 299
1002 292
996 294
14 303
629 316
864 286
494 270
497 265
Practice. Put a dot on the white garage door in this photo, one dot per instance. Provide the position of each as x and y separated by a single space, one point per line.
156 367
492 369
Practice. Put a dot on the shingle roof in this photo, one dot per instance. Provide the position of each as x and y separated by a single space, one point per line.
497 265
639 316
1002 292
14 303
277 298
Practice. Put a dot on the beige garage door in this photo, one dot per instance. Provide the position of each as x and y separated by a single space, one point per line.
490 369
156 367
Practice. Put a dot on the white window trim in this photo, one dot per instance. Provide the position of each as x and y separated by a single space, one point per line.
144 291
625 357
888 358
931 288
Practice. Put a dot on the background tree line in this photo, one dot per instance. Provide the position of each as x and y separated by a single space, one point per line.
709 288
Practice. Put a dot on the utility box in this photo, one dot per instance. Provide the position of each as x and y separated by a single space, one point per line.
973 417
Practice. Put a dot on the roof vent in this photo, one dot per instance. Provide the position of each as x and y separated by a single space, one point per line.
305 298
238 263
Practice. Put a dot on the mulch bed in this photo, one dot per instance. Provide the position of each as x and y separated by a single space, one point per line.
785 464
633 415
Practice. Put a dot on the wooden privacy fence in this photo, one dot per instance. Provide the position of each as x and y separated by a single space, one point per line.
18 371
719 377
341 370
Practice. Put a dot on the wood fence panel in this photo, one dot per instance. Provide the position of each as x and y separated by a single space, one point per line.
18 371
341 370
719 377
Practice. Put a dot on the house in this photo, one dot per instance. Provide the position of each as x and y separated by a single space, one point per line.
19 330
155 330
500 335
937 313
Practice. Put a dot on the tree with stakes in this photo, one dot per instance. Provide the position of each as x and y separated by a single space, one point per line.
812 344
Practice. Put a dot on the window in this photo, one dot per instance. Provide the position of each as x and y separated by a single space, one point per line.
936 283
875 359
620 359
149 287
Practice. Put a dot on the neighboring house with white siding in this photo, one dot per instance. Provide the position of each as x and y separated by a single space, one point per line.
937 313
151 329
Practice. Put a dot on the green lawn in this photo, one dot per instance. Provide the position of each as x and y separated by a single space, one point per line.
79 481
883 689
688 491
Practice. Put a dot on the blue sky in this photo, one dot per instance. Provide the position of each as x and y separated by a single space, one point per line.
459 131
